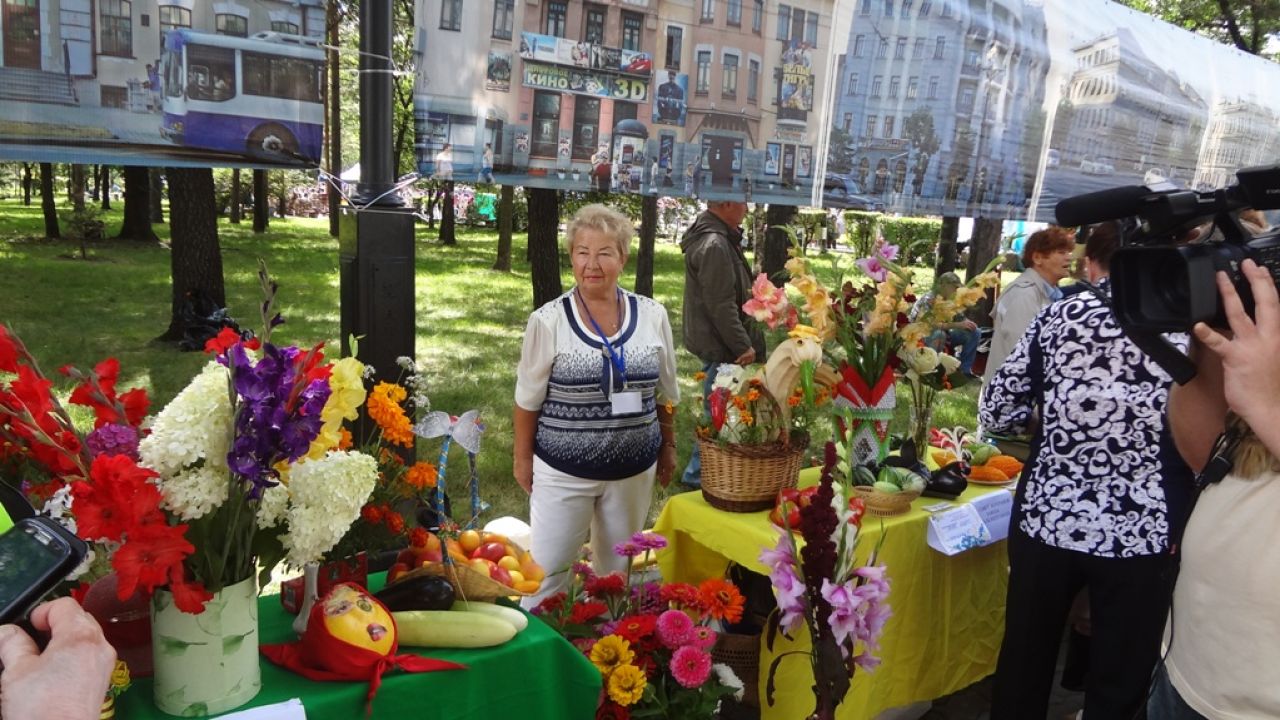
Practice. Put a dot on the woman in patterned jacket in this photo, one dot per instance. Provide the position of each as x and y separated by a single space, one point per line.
593 419
1103 492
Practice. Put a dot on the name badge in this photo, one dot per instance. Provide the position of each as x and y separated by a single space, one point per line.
626 402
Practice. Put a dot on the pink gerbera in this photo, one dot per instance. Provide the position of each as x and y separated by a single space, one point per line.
702 637
690 666
674 628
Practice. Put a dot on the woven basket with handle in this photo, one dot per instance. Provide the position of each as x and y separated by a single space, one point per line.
747 478
883 503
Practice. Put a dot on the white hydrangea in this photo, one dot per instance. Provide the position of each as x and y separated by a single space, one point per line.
325 497
275 501
194 426
193 493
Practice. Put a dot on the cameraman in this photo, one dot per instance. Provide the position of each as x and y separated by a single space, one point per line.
1225 605
67 680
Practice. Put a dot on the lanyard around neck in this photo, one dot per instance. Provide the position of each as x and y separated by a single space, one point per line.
616 358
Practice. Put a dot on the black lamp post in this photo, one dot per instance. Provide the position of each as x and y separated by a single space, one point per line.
375 237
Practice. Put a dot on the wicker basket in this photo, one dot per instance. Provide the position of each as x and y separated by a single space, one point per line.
747 478
742 653
467 583
885 504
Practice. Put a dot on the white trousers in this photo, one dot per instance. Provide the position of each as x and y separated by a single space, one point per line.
563 509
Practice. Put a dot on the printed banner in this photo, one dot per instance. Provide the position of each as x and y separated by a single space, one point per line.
639 96
1001 109
192 85
497 76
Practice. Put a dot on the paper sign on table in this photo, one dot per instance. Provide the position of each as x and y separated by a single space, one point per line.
287 710
957 530
995 509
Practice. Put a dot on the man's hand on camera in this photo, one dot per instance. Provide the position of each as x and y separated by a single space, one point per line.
68 680
1251 351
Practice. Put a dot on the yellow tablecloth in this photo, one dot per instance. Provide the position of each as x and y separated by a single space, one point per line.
948 612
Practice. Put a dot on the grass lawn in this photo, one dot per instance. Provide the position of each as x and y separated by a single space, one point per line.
470 319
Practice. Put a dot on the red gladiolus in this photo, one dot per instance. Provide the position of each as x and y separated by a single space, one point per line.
8 351
189 597
605 585
145 559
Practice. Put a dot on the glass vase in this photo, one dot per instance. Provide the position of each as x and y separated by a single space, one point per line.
922 398
206 664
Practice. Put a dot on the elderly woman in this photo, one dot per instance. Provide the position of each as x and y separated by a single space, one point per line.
593 424
1047 257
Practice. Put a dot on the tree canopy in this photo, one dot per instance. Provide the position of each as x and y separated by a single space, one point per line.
1247 24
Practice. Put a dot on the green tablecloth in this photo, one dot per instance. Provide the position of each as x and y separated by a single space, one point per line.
536 675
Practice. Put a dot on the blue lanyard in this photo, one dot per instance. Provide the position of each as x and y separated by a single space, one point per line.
616 357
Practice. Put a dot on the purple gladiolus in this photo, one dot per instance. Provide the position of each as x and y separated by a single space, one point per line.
845 616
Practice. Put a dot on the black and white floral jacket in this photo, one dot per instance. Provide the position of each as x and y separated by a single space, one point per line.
1104 477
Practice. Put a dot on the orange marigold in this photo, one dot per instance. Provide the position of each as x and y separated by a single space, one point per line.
753 395
795 400
344 439
747 417
699 376
422 475
739 403
721 599
383 405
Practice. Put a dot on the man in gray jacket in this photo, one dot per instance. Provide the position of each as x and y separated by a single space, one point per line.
717 281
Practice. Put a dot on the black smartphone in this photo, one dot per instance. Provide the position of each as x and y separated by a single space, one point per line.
36 554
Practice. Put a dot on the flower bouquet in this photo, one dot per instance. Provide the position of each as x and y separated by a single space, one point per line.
238 472
926 371
652 642
751 441
820 588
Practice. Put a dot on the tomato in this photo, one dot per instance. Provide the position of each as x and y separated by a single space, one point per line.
858 508
490 551
786 509
396 571
790 494
469 540
806 496
499 573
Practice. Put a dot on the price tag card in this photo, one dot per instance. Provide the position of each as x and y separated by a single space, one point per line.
955 531
995 509
938 507
287 710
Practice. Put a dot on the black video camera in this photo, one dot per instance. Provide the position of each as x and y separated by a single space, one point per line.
1160 284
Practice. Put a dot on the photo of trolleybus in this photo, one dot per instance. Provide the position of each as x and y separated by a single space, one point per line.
260 95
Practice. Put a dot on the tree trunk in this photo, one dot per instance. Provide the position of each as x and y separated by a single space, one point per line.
195 257
282 200
983 246
156 196
544 245
97 183
77 188
137 212
506 209
260 211
235 196
776 243
448 219
648 238
106 187
47 204
26 184
335 120
946 260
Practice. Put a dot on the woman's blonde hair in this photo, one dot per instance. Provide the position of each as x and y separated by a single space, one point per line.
1252 458
605 220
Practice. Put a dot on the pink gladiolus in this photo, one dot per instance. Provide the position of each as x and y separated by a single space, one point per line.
845 616
768 304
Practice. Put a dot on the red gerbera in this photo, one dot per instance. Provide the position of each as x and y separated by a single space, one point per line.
189 597
225 339
721 599
418 537
635 628
607 585
682 594
611 710
549 604
584 612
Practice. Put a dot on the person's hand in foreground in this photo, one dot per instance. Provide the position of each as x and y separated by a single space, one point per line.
1250 353
69 679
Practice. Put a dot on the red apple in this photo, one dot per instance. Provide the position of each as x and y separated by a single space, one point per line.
499 573
490 551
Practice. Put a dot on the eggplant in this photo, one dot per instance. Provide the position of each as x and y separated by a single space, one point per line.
425 592
948 481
